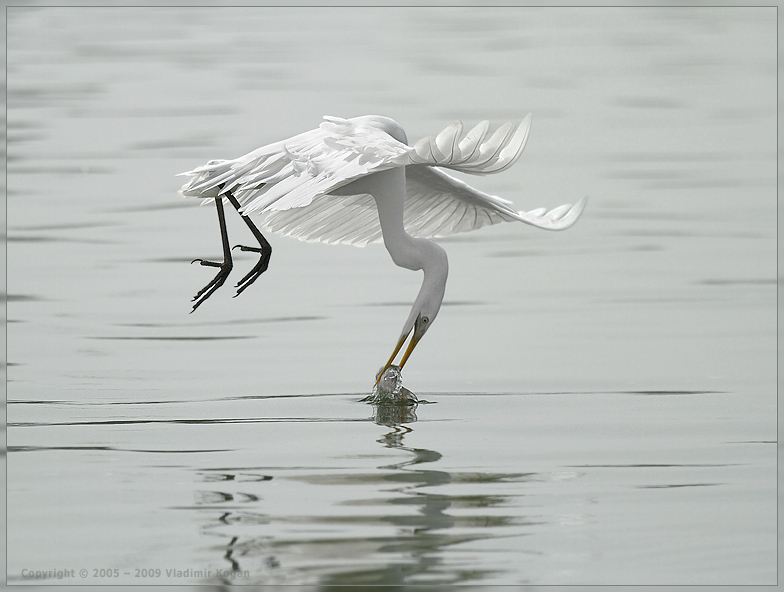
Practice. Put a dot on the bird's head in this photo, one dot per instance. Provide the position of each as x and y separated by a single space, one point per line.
419 321
421 318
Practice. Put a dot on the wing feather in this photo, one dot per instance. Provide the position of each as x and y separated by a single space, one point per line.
349 219
293 181
438 205
447 141
472 141
292 173
475 153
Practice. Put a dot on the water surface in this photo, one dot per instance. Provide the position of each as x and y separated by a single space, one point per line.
603 399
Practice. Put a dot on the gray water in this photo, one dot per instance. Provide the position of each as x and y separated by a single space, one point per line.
602 400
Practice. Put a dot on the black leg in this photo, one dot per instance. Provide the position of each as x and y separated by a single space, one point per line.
225 266
264 249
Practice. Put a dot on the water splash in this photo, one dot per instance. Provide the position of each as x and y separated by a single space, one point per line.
389 390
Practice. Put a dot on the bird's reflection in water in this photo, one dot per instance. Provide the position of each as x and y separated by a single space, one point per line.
400 541
394 416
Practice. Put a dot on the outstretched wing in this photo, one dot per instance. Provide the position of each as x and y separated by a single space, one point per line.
292 173
292 181
437 205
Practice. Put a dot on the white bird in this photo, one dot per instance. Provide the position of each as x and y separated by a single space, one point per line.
356 181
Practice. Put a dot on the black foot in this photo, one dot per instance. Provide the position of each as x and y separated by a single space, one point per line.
217 281
264 249
244 248
258 269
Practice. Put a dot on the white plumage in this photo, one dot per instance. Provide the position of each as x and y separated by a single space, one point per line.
357 181
295 181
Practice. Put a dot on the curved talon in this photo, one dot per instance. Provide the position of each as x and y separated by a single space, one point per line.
207 263
244 248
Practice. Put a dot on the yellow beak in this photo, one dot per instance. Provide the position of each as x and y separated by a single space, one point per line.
409 349
411 345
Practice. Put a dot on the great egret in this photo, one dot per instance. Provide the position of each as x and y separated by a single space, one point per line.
356 181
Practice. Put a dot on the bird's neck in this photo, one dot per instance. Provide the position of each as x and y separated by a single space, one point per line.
405 250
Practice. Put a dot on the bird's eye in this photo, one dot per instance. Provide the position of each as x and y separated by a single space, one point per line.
424 320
